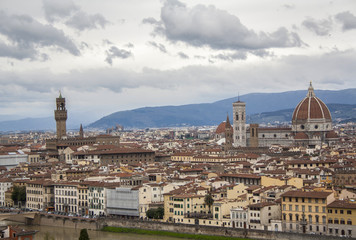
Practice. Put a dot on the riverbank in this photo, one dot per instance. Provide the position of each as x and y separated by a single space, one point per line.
168 234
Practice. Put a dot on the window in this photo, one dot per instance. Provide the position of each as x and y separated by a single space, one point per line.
348 211
341 211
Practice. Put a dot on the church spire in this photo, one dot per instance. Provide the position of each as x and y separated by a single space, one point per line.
311 90
227 121
81 132
60 94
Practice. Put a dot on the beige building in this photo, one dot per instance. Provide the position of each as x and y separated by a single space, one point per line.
40 195
305 212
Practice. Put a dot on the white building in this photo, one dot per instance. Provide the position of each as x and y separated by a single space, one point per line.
5 184
66 197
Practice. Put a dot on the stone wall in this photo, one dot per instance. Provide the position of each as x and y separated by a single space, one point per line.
220 231
66 222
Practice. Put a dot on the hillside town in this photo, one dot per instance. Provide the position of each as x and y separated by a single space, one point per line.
299 178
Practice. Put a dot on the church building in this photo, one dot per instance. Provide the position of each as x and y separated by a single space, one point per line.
311 126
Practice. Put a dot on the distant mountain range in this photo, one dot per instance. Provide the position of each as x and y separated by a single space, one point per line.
340 113
272 106
260 108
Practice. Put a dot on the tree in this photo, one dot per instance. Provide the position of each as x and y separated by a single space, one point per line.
208 200
18 194
48 236
155 213
84 234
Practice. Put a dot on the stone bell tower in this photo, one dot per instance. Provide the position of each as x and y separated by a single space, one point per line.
239 122
60 115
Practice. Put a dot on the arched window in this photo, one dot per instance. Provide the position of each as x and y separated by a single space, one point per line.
342 221
349 222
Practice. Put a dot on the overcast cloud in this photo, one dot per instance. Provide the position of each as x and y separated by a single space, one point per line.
28 35
319 27
208 26
347 19
112 56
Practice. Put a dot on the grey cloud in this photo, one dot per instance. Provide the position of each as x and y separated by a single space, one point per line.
151 20
280 75
241 55
199 57
319 27
347 19
159 46
289 6
115 52
107 42
183 55
129 45
16 52
208 26
73 16
26 34
230 57
54 9
83 21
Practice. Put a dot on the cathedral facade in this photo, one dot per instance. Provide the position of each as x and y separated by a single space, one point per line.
311 126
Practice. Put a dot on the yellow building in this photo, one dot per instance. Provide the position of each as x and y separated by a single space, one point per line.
40 195
269 181
305 211
342 218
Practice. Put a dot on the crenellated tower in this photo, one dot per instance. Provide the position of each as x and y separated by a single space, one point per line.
60 115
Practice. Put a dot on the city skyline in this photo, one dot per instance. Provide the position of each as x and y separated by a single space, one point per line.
117 55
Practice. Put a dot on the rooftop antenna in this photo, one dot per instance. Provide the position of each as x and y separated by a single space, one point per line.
238 96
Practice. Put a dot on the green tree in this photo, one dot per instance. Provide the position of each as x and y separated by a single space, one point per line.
84 234
18 194
155 213
209 201
48 236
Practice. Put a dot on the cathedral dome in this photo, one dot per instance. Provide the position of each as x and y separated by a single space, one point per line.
311 107
221 128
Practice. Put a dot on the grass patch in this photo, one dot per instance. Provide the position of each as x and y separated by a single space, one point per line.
168 234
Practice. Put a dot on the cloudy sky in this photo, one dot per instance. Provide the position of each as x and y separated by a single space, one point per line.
111 55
